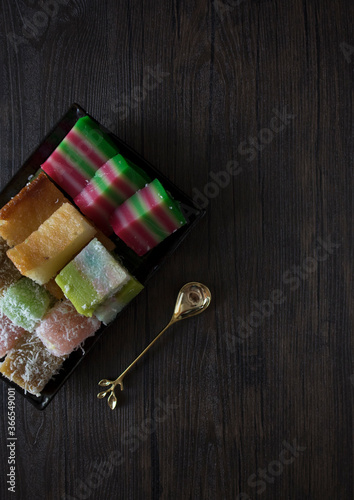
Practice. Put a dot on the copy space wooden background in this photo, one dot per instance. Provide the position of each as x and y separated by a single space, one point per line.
229 65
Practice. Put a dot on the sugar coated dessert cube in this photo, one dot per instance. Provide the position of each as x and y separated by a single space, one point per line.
63 329
30 365
22 215
91 277
8 272
9 334
83 151
25 303
112 184
113 305
147 218
48 249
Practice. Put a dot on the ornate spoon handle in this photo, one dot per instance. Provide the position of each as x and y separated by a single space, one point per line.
193 298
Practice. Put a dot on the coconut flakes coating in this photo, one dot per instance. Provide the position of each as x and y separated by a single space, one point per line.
30 365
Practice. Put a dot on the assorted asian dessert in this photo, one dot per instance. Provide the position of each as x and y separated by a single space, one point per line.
60 277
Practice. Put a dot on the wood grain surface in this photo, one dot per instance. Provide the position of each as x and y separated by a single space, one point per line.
248 107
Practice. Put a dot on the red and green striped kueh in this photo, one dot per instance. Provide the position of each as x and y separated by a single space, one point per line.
147 218
111 185
80 154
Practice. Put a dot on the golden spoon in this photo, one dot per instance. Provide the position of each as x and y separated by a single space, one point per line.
193 298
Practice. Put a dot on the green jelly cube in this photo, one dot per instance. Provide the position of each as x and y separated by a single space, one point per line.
25 303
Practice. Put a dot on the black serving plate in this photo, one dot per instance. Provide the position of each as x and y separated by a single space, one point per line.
141 267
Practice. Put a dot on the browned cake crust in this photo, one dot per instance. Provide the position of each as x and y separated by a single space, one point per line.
22 215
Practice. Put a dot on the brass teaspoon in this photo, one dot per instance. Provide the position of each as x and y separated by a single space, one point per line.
193 298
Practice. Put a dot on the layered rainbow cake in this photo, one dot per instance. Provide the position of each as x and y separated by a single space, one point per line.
83 151
112 184
147 218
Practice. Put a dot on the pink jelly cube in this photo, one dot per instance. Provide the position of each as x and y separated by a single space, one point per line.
63 329
9 334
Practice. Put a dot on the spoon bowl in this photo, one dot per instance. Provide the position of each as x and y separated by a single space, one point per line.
193 298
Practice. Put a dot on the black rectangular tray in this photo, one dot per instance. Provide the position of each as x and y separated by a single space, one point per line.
142 268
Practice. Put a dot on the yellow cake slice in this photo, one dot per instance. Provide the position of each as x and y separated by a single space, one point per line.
22 215
46 251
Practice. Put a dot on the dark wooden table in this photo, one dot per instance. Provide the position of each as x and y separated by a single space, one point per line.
246 105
